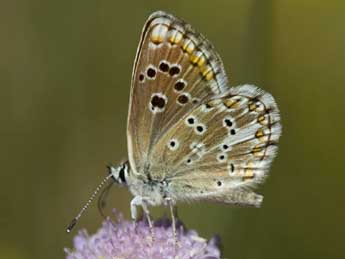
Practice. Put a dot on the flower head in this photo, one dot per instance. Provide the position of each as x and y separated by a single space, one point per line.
123 239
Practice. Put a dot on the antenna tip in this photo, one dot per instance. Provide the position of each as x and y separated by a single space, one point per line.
71 225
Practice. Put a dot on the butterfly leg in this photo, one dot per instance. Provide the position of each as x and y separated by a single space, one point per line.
134 204
173 212
140 201
147 214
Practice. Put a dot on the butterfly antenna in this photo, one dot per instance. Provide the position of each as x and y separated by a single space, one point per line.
87 204
101 203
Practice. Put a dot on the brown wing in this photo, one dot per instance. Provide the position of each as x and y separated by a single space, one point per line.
221 147
175 70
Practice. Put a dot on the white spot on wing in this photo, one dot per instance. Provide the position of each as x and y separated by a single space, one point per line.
222 157
200 129
173 144
225 147
191 121
151 69
228 122
156 101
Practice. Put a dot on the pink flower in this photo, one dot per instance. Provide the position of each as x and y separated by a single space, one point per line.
122 239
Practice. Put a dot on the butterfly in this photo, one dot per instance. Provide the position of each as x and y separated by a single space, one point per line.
190 136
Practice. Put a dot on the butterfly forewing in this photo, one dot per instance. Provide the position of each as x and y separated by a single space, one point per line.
175 70
221 148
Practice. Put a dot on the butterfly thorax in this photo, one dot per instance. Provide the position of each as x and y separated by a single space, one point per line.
153 190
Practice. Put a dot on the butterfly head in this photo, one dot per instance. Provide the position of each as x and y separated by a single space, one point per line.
119 173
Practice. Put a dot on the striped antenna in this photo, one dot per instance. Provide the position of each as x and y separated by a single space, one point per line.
87 204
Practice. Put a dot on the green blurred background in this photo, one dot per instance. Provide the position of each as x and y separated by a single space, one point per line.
65 70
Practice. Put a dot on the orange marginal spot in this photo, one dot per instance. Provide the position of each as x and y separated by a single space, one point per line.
209 75
259 133
231 103
213 103
258 150
158 33
261 118
175 37
201 60
188 46
249 171
252 106
195 57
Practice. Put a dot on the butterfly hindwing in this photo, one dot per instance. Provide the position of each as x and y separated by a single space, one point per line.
175 70
221 148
